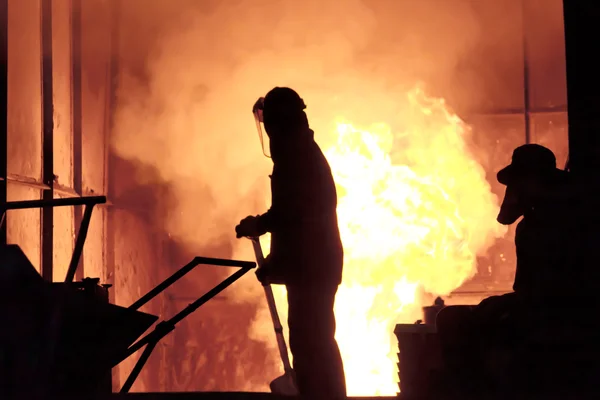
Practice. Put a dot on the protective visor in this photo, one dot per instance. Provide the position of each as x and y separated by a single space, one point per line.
257 110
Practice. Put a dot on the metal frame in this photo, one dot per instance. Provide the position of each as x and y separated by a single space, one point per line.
109 233
77 116
48 187
163 328
47 141
111 99
527 111
88 202
526 97
515 111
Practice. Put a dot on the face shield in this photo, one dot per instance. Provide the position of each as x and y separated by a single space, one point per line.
257 110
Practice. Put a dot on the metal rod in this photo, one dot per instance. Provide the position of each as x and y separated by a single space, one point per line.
139 365
183 271
47 140
111 215
26 181
518 110
64 191
477 293
3 113
278 328
209 295
526 97
77 117
166 327
78 249
74 201
187 299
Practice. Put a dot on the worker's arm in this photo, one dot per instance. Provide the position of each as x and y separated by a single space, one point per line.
265 222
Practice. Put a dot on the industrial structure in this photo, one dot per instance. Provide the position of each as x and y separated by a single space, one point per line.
59 75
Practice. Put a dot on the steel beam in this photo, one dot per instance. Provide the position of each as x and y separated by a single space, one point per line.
77 118
47 140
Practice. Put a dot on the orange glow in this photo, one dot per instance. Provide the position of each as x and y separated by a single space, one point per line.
414 206
414 211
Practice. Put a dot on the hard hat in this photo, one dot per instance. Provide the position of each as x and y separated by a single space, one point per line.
279 101
283 100
530 160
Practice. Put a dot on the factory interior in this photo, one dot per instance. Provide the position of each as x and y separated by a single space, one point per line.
133 116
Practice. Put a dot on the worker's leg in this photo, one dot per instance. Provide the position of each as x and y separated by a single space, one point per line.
317 360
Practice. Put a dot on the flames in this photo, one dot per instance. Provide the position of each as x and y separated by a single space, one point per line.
414 211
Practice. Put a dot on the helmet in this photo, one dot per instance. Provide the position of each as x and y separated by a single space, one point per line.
283 100
279 101
530 160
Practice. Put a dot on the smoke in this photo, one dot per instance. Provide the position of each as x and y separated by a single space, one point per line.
192 119
184 108
191 70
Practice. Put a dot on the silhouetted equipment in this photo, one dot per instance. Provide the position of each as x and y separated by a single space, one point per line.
420 353
64 338
164 328
543 349
72 328
419 356
89 202
60 337
431 312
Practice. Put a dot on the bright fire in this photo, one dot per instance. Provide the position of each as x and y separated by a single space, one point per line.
414 210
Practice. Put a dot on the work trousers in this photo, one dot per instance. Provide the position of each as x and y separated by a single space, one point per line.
317 360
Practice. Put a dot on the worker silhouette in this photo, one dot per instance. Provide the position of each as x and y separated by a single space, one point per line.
545 277
537 191
306 250
549 276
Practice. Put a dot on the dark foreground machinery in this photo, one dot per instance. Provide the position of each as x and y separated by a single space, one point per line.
61 340
551 353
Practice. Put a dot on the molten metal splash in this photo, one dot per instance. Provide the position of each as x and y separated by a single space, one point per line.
414 211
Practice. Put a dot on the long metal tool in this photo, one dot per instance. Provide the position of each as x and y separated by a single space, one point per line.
285 384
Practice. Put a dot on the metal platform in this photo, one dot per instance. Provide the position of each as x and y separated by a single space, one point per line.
215 396
269 396
206 396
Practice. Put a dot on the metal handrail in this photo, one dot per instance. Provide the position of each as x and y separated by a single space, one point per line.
88 201
162 329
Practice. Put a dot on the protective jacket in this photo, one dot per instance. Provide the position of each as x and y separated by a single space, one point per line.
305 240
